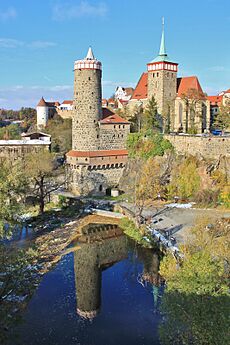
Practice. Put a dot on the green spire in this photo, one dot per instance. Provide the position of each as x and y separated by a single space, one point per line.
162 56
162 51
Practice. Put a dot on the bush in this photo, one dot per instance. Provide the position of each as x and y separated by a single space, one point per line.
207 197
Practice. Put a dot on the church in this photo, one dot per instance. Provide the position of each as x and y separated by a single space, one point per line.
181 102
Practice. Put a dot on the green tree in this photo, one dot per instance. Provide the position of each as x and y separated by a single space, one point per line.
61 133
196 300
185 179
44 175
13 185
222 119
193 102
10 132
152 119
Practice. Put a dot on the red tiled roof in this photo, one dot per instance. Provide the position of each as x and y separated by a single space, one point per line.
188 83
51 104
42 103
99 153
67 102
228 91
106 112
111 100
141 91
215 100
114 119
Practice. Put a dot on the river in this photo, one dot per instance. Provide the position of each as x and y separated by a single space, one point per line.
104 292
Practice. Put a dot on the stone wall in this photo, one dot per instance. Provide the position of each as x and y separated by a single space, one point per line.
83 181
14 152
113 136
65 114
206 147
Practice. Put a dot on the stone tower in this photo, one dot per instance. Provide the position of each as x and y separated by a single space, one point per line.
162 80
42 113
98 156
87 109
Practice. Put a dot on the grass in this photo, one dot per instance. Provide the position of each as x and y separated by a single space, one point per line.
130 229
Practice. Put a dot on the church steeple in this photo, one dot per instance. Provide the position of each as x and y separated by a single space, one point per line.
162 51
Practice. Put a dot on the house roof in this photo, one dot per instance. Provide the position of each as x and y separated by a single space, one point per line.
41 134
140 91
215 100
106 112
114 118
43 103
51 104
99 153
183 86
189 83
67 102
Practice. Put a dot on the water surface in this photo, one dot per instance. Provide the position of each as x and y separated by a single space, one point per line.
103 293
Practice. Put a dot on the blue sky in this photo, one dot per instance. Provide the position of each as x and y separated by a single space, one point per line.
40 39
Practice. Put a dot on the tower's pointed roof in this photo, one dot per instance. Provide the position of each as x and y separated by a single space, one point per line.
162 56
42 103
90 55
162 51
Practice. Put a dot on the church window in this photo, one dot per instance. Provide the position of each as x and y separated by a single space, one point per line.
89 78
123 126
119 126
100 188
114 126
157 74
153 75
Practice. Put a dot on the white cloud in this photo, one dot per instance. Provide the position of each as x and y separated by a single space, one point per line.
12 43
117 83
69 11
217 69
9 13
41 44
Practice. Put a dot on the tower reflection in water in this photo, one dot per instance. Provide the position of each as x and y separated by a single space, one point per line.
98 248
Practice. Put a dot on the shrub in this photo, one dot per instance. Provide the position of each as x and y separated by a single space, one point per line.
207 197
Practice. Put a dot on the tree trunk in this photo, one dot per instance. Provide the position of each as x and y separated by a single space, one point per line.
41 197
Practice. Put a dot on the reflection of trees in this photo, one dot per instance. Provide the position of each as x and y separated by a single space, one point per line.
191 319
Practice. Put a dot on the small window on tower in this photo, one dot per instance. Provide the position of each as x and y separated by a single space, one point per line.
157 74
153 75
89 78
